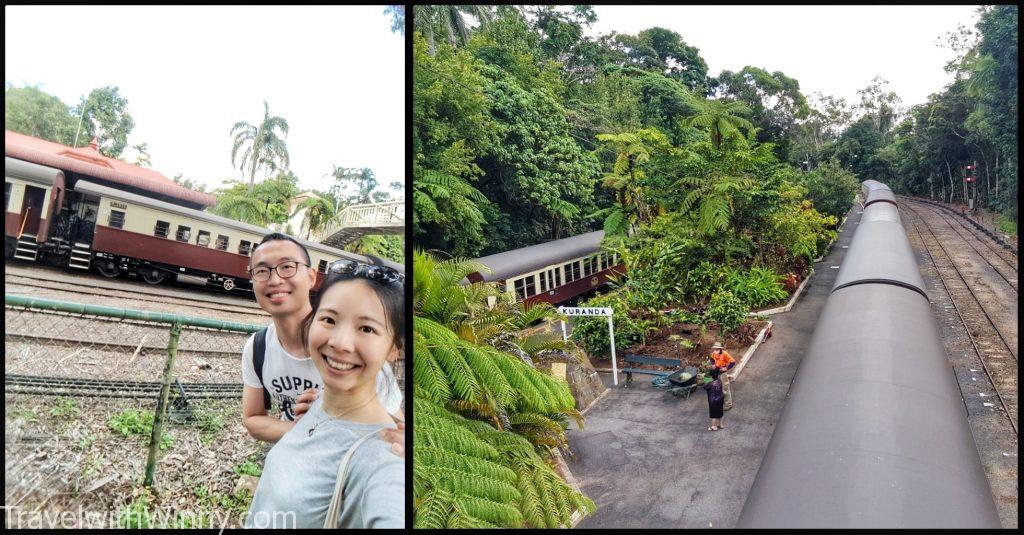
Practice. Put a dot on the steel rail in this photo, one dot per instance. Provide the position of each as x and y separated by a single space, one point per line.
960 274
980 253
141 295
977 350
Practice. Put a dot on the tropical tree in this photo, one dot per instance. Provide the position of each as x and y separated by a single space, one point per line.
712 189
34 112
264 147
449 18
241 206
320 212
633 151
397 13
104 116
720 118
142 160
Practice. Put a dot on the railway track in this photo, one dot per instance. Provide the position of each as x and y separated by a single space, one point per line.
987 341
85 287
1006 266
991 235
69 386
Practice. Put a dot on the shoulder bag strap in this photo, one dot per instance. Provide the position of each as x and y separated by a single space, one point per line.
259 351
334 509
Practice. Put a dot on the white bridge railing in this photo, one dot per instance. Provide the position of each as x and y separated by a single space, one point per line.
362 219
372 215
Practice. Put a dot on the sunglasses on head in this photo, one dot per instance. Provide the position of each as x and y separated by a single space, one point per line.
350 268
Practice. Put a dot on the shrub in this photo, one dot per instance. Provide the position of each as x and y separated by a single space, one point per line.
726 310
630 327
831 188
705 279
757 287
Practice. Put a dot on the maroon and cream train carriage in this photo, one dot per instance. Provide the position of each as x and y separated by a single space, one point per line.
87 211
555 271
158 240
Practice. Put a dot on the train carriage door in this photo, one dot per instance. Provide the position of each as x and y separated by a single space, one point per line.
53 209
31 208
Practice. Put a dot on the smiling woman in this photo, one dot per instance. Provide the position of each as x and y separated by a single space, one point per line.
355 327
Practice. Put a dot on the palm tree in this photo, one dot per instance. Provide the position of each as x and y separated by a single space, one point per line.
142 160
719 118
714 191
245 208
427 19
633 150
320 213
265 149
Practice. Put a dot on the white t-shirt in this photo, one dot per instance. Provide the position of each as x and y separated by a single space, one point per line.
287 376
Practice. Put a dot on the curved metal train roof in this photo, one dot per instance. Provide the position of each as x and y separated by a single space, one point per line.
875 191
516 261
96 189
33 172
874 431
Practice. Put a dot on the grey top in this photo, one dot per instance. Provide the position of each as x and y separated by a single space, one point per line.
518 261
300 471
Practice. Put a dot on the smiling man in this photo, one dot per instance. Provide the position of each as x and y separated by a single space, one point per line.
281 279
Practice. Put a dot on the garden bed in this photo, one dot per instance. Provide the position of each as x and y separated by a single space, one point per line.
668 342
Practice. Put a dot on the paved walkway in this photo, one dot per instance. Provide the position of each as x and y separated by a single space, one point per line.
646 457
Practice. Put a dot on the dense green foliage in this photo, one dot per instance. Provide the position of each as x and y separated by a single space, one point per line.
487 421
102 114
727 310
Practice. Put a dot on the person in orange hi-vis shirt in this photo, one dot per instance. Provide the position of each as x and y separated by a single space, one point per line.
724 362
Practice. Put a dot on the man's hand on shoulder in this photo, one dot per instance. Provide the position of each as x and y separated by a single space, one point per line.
396 437
303 402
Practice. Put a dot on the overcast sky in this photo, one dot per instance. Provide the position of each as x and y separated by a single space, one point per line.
336 73
835 50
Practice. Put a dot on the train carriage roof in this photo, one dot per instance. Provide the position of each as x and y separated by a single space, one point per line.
104 191
89 162
527 259
16 168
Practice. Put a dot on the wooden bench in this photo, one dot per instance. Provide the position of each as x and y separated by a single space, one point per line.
647 359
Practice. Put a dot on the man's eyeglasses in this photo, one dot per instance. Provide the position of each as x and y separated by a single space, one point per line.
285 270
378 273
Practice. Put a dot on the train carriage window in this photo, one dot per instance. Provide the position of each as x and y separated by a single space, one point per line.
575 270
604 261
244 248
203 240
520 286
568 272
558 277
322 268
162 228
222 243
116 219
183 234
531 286
543 281
588 267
